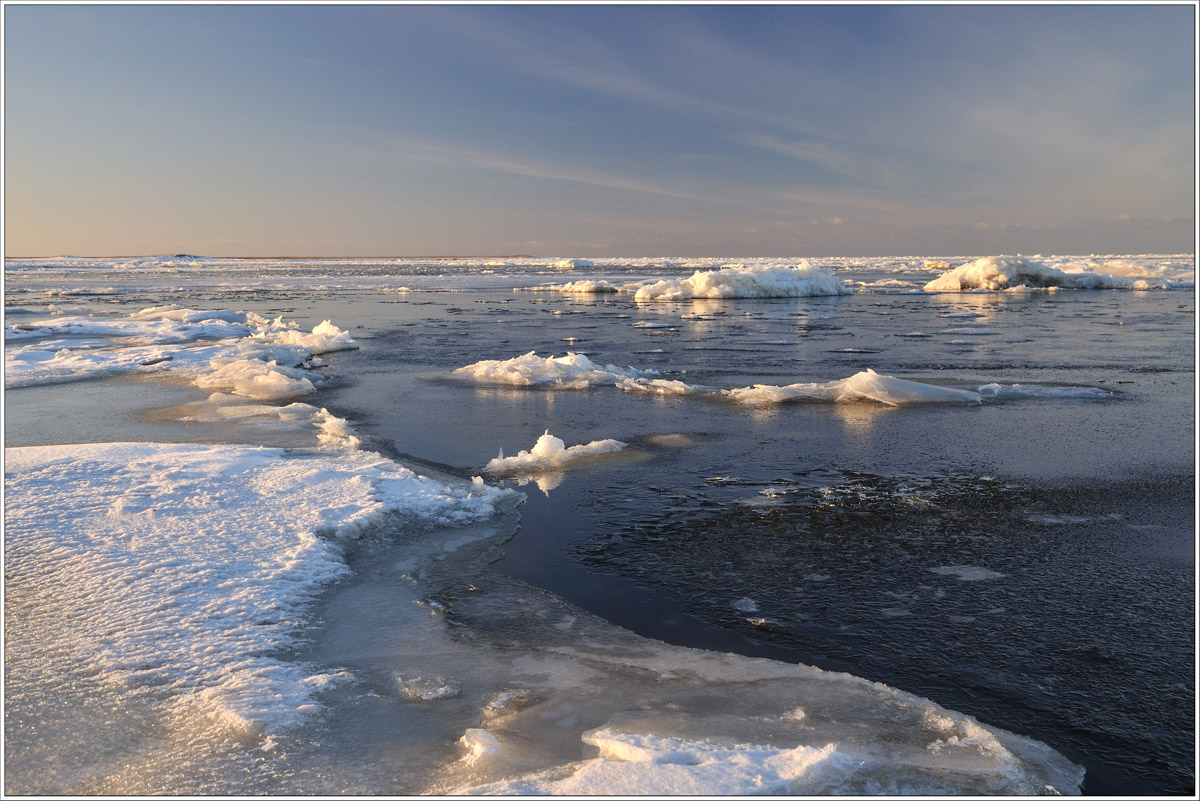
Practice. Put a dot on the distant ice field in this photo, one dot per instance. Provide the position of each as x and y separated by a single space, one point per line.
981 496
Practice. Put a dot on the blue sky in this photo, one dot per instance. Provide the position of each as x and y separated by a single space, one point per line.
599 130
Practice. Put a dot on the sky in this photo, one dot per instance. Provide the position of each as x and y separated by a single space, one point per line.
618 130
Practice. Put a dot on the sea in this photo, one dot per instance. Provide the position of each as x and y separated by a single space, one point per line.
621 526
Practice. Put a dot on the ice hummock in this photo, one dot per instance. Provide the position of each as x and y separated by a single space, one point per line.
550 452
999 273
739 281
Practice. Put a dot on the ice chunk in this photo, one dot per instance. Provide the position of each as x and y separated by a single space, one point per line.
337 431
997 273
571 264
572 371
428 688
587 287
324 338
659 386
479 744
254 378
550 452
738 281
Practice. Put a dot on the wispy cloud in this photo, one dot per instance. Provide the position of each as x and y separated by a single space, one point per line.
827 158
465 158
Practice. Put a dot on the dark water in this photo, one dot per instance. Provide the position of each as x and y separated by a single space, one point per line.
1027 561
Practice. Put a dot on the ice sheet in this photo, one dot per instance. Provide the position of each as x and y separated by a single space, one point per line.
180 570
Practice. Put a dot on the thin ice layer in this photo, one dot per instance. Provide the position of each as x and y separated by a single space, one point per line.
999 273
177 570
738 281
